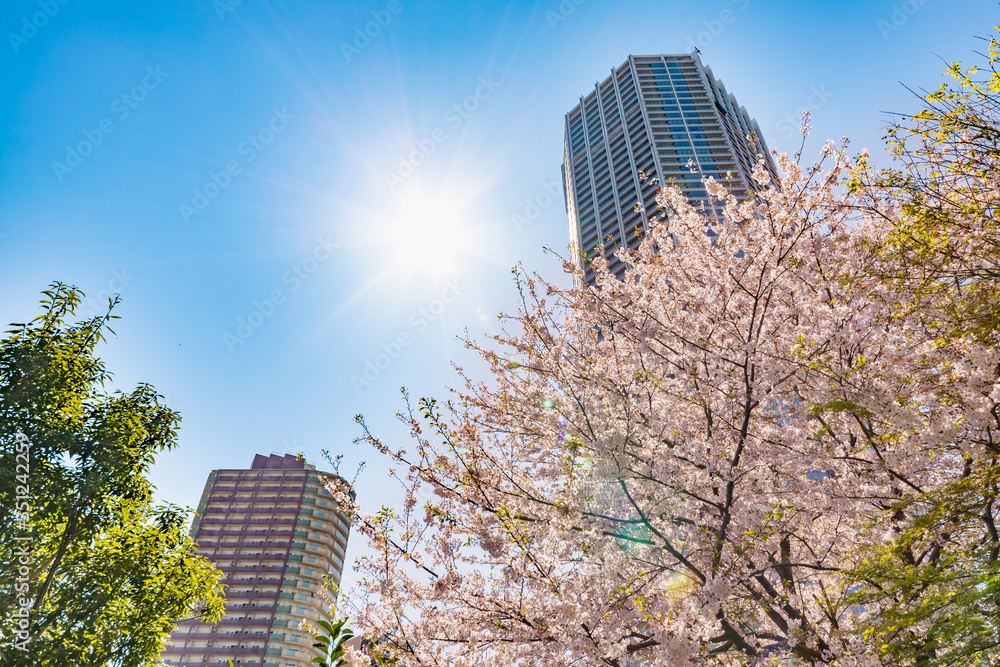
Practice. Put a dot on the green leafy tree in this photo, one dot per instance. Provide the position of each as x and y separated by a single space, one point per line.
943 253
330 642
933 589
91 571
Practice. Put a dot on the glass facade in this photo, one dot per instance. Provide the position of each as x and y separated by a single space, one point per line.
275 532
643 127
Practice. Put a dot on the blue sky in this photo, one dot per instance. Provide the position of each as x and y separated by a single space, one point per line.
280 199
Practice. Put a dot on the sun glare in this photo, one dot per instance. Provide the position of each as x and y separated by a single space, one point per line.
428 234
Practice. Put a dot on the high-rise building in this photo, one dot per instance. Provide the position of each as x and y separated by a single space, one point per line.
642 128
275 532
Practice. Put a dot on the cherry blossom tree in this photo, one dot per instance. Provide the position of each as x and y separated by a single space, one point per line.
773 439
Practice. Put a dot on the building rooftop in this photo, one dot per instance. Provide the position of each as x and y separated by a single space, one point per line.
278 462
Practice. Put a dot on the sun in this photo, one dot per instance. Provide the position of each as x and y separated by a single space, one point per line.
428 232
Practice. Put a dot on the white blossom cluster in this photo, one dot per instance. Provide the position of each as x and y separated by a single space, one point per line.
686 465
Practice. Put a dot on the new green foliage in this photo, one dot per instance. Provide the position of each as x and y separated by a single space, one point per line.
93 572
